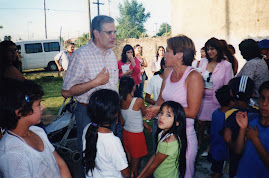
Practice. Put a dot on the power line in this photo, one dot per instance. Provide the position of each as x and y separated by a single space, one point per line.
42 9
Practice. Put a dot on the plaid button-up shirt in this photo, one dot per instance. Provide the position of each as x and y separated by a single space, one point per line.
85 64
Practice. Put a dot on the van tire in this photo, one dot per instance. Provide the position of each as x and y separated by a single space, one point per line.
52 66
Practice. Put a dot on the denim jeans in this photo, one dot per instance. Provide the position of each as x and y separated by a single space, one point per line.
82 120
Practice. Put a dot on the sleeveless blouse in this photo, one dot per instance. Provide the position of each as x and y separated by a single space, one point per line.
176 91
133 119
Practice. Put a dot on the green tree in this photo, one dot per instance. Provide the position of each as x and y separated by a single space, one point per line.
1 26
132 19
82 40
165 29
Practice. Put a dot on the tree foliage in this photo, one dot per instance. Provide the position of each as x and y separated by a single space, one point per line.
82 40
132 19
165 29
1 26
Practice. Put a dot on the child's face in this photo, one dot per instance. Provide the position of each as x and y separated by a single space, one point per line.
37 112
166 118
264 103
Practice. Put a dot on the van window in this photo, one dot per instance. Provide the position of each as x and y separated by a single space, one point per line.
52 46
33 48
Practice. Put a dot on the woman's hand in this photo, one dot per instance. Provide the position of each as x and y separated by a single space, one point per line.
152 111
130 56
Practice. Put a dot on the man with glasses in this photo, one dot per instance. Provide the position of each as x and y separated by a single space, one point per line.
92 67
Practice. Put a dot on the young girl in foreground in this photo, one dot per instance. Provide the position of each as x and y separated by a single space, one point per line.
170 156
132 110
25 150
103 152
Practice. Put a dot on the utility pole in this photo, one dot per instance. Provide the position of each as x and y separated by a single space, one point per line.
98 9
90 20
109 7
45 19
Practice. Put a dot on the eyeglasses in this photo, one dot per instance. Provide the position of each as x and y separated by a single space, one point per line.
208 78
110 32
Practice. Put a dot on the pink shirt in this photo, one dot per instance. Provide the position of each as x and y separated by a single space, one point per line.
136 75
176 91
221 75
85 64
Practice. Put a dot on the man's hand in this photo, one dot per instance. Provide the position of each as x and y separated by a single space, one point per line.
60 68
103 77
242 119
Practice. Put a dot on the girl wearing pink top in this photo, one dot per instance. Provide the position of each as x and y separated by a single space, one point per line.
129 65
184 85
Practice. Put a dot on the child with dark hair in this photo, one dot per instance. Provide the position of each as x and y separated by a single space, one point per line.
253 139
218 152
25 150
242 89
170 158
103 152
132 111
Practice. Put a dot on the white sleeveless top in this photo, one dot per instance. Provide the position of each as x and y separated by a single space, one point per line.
133 119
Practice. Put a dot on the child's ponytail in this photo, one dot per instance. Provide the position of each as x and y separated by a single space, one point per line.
91 150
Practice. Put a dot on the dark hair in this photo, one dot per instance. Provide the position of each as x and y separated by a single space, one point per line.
126 86
137 45
228 53
184 44
214 43
157 54
203 48
223 95
124 50
242 88
98 21
231 48
162 69
264 85
103 108
4 60
249 49
179 132
17 95
69 44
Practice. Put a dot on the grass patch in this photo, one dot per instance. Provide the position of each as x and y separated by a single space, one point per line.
52 86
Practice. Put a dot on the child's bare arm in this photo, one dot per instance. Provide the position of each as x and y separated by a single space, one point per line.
126 173
149 100
152 165
142 106
228 137
147 127
253 135
64 171
242 121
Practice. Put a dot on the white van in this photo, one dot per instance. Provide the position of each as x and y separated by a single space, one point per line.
38 54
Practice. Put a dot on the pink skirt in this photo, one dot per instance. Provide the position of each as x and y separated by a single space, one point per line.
208 106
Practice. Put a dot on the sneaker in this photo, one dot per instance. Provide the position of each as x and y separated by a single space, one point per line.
204 154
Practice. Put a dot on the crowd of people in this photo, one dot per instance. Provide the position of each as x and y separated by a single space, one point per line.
233 108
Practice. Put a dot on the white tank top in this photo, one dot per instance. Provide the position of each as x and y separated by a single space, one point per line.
133 119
